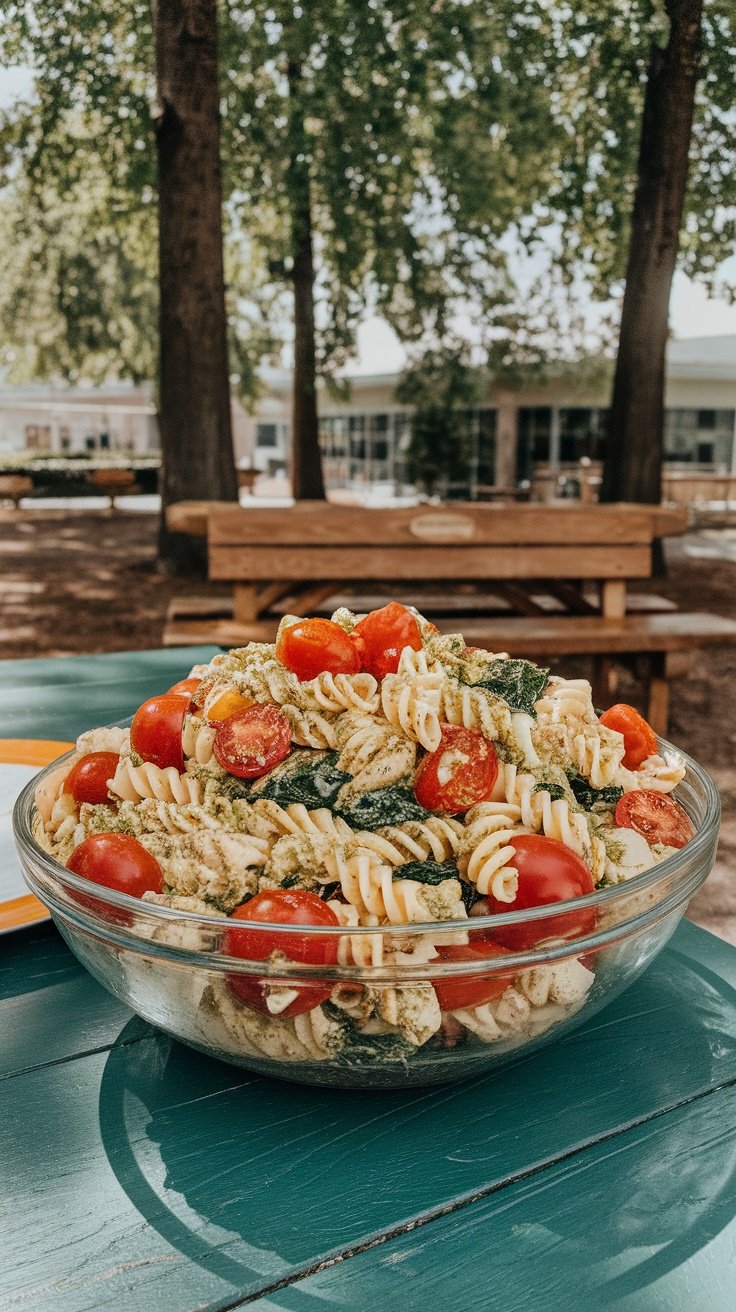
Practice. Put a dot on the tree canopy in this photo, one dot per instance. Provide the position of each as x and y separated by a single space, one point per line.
437 134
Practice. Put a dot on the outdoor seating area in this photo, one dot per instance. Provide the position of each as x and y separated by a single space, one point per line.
497 578
367 656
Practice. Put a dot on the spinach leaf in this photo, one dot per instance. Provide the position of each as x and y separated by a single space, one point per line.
393 805
427 872
556 791
353 1047
518 682
592 799
309 777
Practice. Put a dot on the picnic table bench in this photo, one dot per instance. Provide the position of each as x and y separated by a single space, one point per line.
15 486
554 577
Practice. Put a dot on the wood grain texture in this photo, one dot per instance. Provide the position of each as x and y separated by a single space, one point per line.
589 634
51 1007
355 562
640 1223
308 524
148 1175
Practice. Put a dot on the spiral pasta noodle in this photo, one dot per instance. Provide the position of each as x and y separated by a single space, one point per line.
297 819
342 692
566 699
473 708
198 739
438 838
486 860
370 886
413 707
372 752
132 783
310 728
593 750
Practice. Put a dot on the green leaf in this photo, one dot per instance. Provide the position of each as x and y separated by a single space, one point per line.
594 799
393 805
518 682
427 872
309 777
556 791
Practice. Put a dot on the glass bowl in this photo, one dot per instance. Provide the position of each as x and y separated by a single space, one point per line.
378 1023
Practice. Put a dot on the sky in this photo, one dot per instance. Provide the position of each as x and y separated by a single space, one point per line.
692 312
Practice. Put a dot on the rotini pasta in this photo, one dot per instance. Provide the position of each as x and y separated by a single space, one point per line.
133 783
198 739
342 692
381 798
413 707
437 838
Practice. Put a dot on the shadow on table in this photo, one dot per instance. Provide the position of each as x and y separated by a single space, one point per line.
255 1181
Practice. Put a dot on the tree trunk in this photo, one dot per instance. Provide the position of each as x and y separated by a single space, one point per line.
633 467
306 459
194 388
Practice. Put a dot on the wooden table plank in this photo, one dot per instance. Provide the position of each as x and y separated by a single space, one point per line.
583 634
149 1174
59 698
314 563
311 524
609 1228
52 1009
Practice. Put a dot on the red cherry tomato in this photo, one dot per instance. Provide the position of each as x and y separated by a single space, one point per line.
461 772
639 738
292 906
87 780
251 742
659 818
472 990
186 687
117 861
381 637
155 733
548 872
312 646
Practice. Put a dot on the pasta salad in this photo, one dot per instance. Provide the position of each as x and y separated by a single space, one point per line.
360 772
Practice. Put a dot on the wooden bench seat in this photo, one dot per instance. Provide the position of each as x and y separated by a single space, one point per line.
15 486
538 580
112 483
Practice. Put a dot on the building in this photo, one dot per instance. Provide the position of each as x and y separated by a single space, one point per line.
364 439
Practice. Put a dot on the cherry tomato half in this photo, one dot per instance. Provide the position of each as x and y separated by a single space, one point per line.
117 861
312 646
155 733
186 687
639 738
381 637
87 780
461 772
659 818
292 906
548 872
471 990
253 741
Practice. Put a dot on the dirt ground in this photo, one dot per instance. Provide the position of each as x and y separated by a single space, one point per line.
86 581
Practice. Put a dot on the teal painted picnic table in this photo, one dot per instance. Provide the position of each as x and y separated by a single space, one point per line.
598 1174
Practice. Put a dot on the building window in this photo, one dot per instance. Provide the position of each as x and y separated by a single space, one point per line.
266 435
706 419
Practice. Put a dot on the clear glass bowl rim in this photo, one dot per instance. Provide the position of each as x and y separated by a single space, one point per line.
682 862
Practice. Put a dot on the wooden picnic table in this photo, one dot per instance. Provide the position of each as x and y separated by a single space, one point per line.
599 1173
557 575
